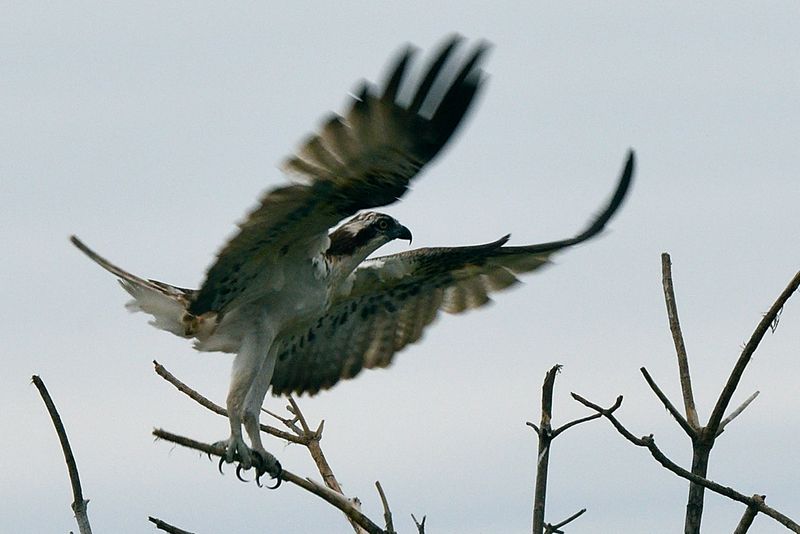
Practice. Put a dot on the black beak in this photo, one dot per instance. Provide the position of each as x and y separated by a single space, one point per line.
404 233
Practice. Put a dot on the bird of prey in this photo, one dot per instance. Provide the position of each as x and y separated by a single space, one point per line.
301 305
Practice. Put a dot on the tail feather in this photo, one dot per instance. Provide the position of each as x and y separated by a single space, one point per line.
166 303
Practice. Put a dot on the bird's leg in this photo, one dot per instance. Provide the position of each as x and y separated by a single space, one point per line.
250 416
235 447
244 372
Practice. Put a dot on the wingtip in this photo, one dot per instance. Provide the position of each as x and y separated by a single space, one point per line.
620 194
630 163
626 178
79 244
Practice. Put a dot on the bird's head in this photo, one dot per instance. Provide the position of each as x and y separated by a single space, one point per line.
364 234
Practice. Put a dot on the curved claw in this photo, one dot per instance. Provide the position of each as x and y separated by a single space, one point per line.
210 458
278 481
239 470
221 461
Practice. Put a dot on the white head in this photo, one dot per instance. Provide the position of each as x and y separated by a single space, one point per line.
364 234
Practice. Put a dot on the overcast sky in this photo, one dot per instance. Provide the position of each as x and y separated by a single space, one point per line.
149 129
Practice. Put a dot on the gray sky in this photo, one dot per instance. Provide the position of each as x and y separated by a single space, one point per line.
150 129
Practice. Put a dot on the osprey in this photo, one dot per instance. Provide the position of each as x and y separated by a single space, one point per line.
300 305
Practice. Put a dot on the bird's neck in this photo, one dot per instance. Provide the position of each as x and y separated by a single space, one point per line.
342 265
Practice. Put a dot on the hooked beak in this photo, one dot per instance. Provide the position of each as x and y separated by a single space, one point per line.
404 233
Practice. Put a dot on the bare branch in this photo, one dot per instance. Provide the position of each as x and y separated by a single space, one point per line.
336 499
311 439
749 516
649 443
736 412
420 526
569 425
295 409
677 339
166 527
217 409
79 503
747 353
546 436
302 436
547 395
692 432
543 456
387 514
555 528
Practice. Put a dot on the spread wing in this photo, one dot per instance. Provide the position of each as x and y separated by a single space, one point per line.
393 298
361 160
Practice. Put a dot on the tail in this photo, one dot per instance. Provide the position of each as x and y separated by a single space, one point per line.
167 304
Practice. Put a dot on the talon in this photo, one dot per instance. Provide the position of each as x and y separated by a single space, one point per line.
278 483
221 461
258 480
239 470
278 477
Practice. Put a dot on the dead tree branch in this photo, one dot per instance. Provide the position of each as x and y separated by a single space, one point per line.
703 437
736 412
420 525
166 527
690 431
555 529
546 436
311 440
680 346
79 503
755 339
387 514
749 516
217 409
649 443
336 499
302 434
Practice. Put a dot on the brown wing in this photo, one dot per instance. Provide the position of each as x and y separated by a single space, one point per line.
361 160
393 298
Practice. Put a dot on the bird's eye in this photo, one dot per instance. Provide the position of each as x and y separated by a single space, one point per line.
383 224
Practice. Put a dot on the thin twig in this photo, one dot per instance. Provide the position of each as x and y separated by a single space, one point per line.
420 525
79 503
649 443
330 496
300 417
569 425
555 528
387 514
677 339
692 432
747 353
217 409
736 412
166 527
311 440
